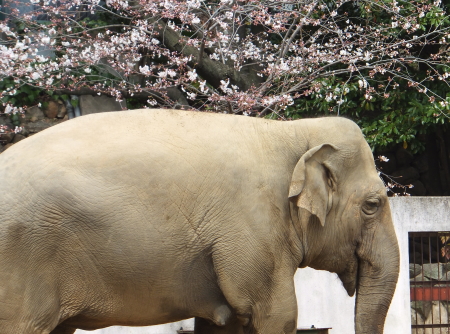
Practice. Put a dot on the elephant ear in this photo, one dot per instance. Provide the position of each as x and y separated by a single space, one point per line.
310 184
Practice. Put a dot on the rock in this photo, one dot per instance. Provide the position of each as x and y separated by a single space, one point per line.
7 146
418 189
438 314
406 175
52 109
414 269
95 104
37 126
422 309
429 313
24 132
34 114
404 157
435 271
7 137
18 137
4 120
415 255
62 110
420 278
421 163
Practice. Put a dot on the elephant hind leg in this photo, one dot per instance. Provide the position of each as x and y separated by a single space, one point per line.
63 330
233 325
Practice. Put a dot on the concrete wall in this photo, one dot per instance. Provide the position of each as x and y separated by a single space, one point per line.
323 301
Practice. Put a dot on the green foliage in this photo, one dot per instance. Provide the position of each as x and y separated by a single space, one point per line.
15 119
399 116
21 96
136 102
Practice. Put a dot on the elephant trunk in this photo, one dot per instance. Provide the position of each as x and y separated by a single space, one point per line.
377 278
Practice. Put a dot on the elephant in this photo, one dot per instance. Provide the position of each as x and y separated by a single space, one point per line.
143 217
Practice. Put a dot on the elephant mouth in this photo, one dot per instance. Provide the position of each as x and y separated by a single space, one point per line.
349 278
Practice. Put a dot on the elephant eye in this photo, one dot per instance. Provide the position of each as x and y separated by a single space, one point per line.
371 206
330 182
330 179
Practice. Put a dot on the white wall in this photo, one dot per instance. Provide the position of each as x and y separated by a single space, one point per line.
323 301
160 329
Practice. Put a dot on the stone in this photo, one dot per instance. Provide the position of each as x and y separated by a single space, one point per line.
418 189
438 315
404 157
414 269
406 175
37 126
427 313
62 112
421 163
415 255
422 311
52 109
34 114
7 137
436 271
18 137
94 104
2 118
420 278
7 146
24 132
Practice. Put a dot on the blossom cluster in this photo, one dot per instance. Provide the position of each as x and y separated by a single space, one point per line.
252 57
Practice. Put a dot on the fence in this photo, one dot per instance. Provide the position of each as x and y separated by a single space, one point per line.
429 255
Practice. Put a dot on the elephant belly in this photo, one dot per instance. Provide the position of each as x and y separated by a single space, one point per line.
139 308
149 290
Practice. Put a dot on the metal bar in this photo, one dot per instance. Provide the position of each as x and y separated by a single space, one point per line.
429 249
430 326
438 277
427 234
413 299
429 261
430 283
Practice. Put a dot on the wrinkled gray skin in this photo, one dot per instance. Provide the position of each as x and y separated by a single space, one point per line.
146 217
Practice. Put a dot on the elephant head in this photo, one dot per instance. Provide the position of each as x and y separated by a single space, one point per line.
342 217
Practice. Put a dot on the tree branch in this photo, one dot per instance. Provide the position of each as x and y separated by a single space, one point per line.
211 70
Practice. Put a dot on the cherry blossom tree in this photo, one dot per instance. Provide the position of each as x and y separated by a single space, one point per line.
261 58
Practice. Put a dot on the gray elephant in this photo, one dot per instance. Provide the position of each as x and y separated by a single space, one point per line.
144 217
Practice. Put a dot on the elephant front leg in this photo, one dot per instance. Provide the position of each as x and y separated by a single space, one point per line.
259 287
279 316
272 312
